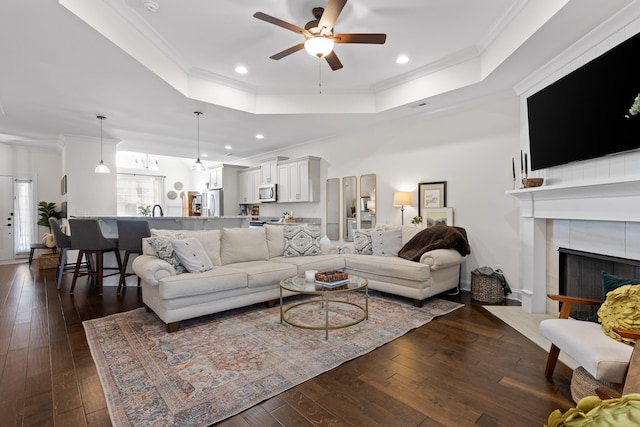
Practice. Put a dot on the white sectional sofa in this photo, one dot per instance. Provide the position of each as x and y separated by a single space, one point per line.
248 264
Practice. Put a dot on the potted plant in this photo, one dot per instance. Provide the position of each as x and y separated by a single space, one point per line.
144 210
417 221
47 210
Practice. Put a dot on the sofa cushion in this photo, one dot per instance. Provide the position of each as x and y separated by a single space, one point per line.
301 240
386 243
243 244
275 240
190 284
362 241
320 262
391 267
164 250
408 231
263 273
192 255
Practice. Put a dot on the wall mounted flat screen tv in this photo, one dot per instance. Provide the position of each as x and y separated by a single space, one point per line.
585 114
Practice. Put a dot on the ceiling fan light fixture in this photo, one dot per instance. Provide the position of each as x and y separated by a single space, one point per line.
319 46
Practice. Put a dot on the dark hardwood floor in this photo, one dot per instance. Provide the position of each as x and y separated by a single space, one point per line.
465 368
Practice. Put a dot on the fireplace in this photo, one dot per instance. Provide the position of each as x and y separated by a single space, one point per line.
597 216
580 276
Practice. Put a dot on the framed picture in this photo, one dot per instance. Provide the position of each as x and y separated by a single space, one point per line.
432 195
437 216
63 185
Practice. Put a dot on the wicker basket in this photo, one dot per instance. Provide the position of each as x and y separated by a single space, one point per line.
583 384
486 288
47 261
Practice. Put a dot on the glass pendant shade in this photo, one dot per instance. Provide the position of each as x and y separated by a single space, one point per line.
318 46
198 166
101 168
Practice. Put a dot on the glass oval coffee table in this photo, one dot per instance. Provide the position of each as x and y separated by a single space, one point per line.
298 285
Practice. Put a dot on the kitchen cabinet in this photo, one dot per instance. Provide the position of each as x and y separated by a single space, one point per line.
269 170
225 176
299 180
249 182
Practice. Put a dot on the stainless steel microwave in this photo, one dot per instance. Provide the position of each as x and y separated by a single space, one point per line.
268 193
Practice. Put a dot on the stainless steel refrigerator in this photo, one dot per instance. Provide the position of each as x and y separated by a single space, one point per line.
213 202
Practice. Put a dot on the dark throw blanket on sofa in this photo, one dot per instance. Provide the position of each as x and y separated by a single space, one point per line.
436 237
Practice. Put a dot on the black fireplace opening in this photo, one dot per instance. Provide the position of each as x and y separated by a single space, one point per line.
581 276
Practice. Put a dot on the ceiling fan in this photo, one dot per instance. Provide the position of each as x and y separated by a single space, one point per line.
319 34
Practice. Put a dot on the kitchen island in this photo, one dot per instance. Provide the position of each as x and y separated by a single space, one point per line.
109 227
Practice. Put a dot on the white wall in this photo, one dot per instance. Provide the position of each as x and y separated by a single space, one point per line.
89 193
470 149
42 165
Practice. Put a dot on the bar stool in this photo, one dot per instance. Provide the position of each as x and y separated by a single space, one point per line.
130 235
87 238
63 242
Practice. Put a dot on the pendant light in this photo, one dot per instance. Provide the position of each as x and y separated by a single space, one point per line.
101 168
198 166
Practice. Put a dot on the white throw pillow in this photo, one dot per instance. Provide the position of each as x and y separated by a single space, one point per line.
192 255
301 240
386 243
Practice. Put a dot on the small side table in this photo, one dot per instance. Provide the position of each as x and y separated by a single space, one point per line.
35 246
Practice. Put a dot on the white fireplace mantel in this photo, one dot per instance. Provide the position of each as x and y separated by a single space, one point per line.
617 200
605 200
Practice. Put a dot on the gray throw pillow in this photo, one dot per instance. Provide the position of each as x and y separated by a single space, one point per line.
192 255
301 240
362 242
164 250
386 243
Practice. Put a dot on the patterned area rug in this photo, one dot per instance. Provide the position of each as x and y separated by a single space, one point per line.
219 365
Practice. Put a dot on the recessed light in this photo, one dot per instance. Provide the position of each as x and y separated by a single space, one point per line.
241 69
227 147
259 136
402 59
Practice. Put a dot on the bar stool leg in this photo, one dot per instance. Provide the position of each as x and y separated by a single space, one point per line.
123 273
61 264
100 269
31 255
77 270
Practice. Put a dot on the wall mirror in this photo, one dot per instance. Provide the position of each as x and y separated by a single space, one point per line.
349 202
367 203
333 208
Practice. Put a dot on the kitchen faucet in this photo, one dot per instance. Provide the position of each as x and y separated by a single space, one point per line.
153 211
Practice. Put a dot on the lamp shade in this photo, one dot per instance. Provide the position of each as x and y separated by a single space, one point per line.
402 198
318 46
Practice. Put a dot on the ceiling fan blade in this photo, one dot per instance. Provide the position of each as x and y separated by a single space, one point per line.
280 23
333 61
330 15
360 38
286 52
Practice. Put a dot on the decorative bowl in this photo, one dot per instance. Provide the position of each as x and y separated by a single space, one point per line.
533 182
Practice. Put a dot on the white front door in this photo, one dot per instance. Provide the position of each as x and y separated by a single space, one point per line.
6 218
